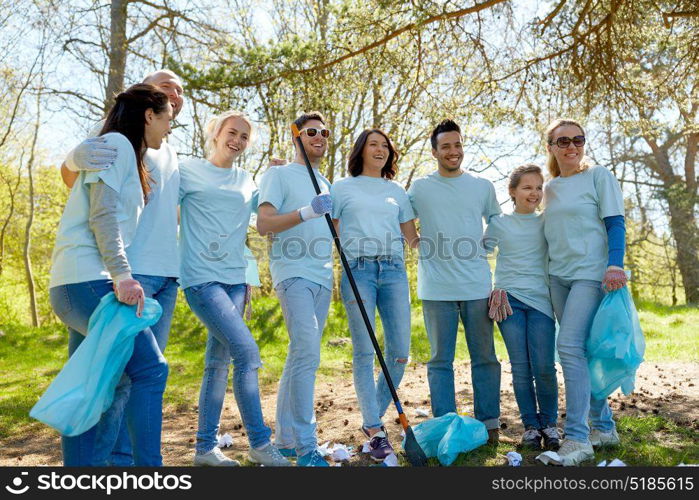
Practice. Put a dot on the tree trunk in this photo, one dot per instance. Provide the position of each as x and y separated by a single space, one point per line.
12 191
30 220
686 236
117 52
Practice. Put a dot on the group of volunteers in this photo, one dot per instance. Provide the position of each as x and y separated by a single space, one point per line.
141 223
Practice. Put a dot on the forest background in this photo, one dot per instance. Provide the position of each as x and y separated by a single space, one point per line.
627 69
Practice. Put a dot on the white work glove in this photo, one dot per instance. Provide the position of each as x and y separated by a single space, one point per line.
320 205
129 291
92 155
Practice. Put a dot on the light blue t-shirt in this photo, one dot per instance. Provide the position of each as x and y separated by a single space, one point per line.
522 261
452 263
215 208
370 210
574 224
305 250
154 247
76 257
252 273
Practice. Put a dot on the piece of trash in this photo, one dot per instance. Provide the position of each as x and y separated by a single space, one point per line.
682 464
391 461
365 447
336 451
324 449
613 463
224 441
514 458
341 453
550 457
402 433
421 412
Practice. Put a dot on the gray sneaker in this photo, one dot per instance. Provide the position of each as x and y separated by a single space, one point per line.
601 439
575 453
268 456
214 458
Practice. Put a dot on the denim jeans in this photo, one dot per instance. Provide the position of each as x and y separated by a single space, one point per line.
147 371
220 307
305 307
442 323
164 290
530 338
575 303
383 284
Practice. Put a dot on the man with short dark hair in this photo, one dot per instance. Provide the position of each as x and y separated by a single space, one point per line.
302 274
454 277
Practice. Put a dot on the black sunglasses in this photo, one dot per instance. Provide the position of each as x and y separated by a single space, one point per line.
563 142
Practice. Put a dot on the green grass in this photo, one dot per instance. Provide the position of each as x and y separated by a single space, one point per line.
671 333
31 357
646 440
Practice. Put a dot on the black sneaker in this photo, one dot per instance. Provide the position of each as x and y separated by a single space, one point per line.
551 438
531 438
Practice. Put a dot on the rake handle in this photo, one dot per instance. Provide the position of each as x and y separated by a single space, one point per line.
345 265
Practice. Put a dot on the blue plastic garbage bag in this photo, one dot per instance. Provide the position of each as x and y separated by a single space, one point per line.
446 436
84 388
616 345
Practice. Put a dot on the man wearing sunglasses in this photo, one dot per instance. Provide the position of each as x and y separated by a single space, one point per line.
302 274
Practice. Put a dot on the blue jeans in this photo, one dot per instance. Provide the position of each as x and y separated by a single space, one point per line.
442 323
383 284
147 371
575 303
220 307
164 290
530 338
305 307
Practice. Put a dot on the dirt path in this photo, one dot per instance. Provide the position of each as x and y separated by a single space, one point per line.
667 389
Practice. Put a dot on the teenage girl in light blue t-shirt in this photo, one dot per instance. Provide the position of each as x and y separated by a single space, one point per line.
584 228
373 215
216 201
521 304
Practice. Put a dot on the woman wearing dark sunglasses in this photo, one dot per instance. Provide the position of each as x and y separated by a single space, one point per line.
584 228
373 215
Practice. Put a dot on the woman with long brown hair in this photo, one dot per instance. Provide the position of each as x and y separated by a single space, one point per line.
373 216
89 261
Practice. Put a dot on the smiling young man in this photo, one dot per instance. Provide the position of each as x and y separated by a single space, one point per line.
153 252
453 276
301 266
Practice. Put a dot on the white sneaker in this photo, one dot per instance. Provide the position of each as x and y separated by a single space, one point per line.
214 458
268 456
575 452
600 439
